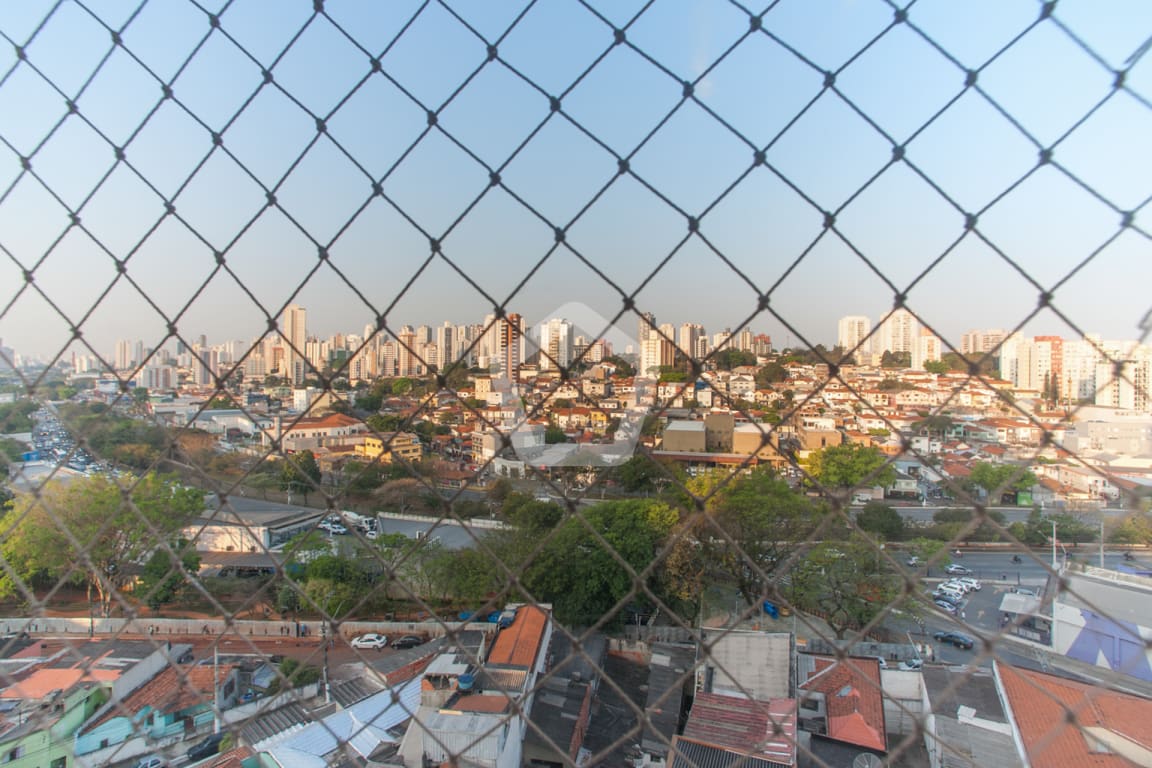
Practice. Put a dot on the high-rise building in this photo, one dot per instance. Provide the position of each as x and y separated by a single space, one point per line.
689 339
898 332
852 335
123 358
407 363
980 342
926 349
295 335
1126 388
645 327
510 334
556 343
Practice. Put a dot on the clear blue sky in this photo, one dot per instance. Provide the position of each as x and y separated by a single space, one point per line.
1048 224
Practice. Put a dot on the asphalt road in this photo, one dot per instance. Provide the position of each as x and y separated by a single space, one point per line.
981 613
923 514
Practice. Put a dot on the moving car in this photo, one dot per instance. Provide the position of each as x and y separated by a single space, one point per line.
957 570
958 639
407 641
206 748
370 640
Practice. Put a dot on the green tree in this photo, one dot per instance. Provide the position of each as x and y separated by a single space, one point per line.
161 580
762 515
622 366
729 358
998 479
579 575
300 473
844 582
850 466
385 422
896 360
882 520
499 490
771 373
401 386
1133 529
937 366
554 434
87 530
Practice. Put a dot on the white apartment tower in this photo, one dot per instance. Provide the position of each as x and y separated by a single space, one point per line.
852 335
898 332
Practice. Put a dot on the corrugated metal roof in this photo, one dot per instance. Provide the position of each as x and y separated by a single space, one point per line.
362 725
448 737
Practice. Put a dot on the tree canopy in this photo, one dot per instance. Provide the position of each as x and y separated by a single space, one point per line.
997 479
881 520
849 466
88 530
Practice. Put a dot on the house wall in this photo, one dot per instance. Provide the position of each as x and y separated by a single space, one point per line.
903 699
1081 634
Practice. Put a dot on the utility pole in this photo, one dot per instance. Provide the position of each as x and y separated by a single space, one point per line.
1054 545
1101 539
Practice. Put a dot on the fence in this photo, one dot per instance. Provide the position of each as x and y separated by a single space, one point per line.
319 187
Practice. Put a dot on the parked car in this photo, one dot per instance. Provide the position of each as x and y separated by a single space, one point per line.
911 664
912 562
957 584
957 570
1024 591
945 606
407 641
952 592
207 747
151 761
958 639
370 640
337 529
972 584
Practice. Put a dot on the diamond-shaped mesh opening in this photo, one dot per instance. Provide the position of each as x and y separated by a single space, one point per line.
452 384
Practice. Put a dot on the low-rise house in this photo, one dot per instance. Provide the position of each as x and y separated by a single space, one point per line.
172 706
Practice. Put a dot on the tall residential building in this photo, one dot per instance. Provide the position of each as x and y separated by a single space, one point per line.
123 357
294 332
1080 361
926 349
898 332
556 343
446 345
852 334
646 326
690 336
1016 360
980 342
510 334
407 363
1127 391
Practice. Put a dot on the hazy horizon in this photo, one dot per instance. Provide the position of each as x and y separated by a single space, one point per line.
1054 227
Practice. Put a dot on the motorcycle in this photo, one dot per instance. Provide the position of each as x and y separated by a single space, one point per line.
958 553
1128 556
1017 559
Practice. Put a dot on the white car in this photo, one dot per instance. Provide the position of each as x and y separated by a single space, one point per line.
971 583
959 584
334 528
370 640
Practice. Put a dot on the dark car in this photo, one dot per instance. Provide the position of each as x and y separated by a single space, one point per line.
408 641
206 748
958 639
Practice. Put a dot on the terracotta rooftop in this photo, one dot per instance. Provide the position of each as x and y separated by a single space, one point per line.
481 702
168 692
1116 722
47 679
764 729
519 644
852 698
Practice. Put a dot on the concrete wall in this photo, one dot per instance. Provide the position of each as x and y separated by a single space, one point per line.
903 699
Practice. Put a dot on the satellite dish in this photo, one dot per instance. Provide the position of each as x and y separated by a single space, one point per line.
867 760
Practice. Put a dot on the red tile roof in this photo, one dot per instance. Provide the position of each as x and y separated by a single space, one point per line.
481 702
765 729
519 644
172 690
1039 704
852 698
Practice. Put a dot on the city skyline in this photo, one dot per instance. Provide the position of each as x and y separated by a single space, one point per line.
828 195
